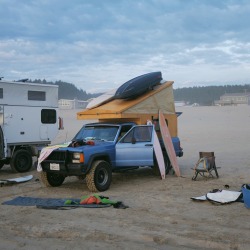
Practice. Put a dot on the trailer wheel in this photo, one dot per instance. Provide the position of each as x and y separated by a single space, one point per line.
99 177
51 179
21 161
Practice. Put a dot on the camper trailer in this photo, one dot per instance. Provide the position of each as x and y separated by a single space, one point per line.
28 121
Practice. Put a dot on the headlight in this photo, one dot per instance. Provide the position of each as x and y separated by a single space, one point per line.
78 158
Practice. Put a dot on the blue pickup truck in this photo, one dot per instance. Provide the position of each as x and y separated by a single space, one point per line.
99 149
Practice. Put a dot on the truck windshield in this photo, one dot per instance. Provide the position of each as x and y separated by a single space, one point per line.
104 133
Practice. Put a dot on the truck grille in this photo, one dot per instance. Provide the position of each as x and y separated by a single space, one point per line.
57 156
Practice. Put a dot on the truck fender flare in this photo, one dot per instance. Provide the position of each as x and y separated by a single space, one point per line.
98 156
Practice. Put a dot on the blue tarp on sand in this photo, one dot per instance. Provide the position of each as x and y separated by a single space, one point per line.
49 202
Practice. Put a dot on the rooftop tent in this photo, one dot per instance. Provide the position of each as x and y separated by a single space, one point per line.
138 110
161 97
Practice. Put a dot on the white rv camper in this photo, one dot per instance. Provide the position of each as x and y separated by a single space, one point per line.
28 121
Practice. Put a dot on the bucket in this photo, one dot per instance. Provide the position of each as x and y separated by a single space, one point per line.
246 194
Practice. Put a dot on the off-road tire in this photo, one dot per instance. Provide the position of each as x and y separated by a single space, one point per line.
99 177
51 179
21 161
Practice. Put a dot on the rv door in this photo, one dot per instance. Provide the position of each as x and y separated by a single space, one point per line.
1 134
1 144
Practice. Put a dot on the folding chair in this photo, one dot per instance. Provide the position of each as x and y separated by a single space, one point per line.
205 165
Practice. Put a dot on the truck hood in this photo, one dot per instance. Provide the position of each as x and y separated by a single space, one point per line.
82 148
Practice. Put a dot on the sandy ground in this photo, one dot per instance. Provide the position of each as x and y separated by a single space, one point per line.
161 214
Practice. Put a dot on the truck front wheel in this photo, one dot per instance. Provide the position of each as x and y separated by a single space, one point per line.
21 161
99 177
52 179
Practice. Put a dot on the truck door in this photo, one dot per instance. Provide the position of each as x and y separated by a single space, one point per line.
136 147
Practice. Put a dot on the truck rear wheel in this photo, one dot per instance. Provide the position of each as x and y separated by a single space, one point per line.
168 165
21 161
99 177
52 179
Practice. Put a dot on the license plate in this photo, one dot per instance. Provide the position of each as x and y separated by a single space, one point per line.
54 166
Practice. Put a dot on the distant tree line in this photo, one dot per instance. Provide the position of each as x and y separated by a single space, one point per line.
207 95
202 95
68 90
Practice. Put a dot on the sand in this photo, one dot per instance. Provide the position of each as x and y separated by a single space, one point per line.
161 214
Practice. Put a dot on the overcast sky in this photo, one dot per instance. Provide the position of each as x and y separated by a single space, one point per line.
99 44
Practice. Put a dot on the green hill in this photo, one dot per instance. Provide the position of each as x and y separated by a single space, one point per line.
203 95
207 95
68 90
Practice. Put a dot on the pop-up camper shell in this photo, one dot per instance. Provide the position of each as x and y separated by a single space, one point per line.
28 120
140 110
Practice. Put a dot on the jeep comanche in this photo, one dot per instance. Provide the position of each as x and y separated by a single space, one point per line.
99 149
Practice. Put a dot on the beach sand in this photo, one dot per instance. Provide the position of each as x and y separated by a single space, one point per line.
161 214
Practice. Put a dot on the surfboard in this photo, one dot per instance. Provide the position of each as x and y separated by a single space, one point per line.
159 155
138 85
104 98
223 196
16 180
167 140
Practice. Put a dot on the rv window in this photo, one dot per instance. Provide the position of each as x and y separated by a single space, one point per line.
48 116
1 93
36 95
